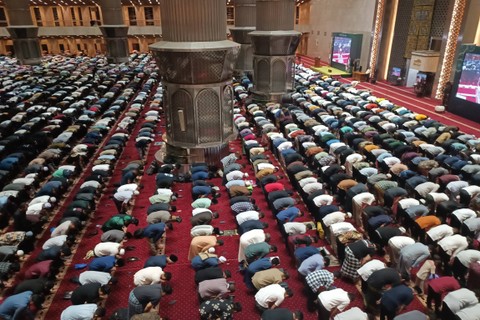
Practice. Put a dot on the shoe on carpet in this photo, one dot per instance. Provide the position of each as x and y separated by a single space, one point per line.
67 295
179 219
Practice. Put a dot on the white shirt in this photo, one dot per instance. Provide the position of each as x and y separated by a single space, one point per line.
464 214
323 200
165 191
106 249
68 167
285 145
200 210
94 277
124 196
34 209
61 229
57 241
149 275
440 232
306 181
128 187
439 196
400 242
293 228
364 198
341 228
408 202
101 167
468 256
79 312
312 187
334 299
42 200
368 268
201 230
334 217
273 293
472 190
452 245
247 215
354 313
91 183
24 181
265 165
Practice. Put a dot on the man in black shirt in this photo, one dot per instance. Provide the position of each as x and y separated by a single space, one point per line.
219 309
378 282
145 298
89 293
210 274
37 286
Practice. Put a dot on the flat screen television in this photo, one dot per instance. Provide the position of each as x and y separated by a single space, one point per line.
464 95
341 50
346 48
396 72
469 83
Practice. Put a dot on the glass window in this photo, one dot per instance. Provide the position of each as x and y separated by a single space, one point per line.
3 17
230 15
148 16
72 13
132 16
38 16
56 18
297 14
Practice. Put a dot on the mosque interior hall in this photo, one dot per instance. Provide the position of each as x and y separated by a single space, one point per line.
239 159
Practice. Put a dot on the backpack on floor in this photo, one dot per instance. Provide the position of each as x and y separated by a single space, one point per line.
120 314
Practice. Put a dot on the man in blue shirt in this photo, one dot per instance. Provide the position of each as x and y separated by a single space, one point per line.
289 214
394 301
160 261
313 263
206 260
17 305
105 264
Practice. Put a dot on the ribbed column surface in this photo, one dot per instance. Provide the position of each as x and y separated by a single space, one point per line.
111 12
275 15
19 12
194 20
245 13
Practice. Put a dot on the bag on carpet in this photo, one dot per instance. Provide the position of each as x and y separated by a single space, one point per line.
120 314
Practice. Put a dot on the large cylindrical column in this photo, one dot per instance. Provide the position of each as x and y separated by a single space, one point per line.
196 63
245 19
23 32
274 44
114 30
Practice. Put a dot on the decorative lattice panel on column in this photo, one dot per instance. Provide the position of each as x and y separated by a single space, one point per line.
279 72
182 117
227 112
208 113
440 16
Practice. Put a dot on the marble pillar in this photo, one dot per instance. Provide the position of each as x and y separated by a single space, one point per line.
196 63
114 31
245 18
274 44
23 32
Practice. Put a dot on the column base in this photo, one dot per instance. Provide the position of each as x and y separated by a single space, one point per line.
186 156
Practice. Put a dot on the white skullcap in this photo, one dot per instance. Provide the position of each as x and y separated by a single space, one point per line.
20 253
222 259
388 175
211 250
136 192
402 229
45 168
53 199
121 252
245 175
349 215
29 234
47 205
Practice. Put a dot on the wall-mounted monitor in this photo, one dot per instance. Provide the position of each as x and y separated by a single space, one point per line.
396 72
469 83
465 95
346 48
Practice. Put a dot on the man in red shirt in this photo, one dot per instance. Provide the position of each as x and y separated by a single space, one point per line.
438 288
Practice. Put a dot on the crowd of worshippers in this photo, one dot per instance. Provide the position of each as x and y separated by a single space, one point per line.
393 192
53 119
